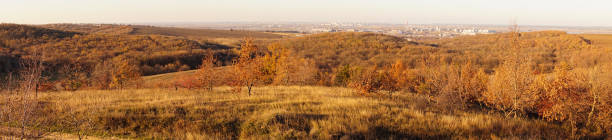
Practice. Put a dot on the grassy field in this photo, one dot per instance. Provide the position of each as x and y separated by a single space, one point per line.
153 80
599 39
302 112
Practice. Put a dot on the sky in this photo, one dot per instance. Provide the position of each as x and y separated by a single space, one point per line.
498 12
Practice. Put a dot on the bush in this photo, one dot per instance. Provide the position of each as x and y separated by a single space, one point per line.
571 96
369 81
344 74
463 86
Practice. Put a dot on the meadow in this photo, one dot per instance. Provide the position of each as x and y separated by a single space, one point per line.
274 112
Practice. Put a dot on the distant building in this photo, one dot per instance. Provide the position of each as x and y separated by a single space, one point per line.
397 32
476 31
468 32
485 31
321 30
351 30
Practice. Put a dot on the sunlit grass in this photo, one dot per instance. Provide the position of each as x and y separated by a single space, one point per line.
283 112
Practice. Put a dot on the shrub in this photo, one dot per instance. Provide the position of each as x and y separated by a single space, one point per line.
189 82
463 85
369 81
579 98
344 74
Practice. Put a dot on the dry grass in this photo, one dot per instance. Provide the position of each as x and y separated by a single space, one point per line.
599 39
151 81
280 113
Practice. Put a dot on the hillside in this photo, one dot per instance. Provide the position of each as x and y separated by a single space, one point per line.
330 50
201 33
14 39
16 36
91 46
153 30
541 39
333 51
91 28
230 38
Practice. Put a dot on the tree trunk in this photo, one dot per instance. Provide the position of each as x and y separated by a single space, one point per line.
36 90
250 86
592 109
210 85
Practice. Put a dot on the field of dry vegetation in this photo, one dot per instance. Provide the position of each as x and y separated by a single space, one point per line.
112 81
273 112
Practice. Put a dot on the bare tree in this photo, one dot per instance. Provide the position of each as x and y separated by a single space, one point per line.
25 102
78 120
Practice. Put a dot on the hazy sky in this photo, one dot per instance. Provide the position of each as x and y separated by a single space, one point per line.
527 12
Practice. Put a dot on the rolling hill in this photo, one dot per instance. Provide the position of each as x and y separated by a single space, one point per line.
202 33
228 38
90 45
330 50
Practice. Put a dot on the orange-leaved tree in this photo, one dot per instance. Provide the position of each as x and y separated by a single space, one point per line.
207 75
281 67
126 72
247 69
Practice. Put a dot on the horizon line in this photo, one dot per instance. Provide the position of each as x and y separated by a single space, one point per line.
298 22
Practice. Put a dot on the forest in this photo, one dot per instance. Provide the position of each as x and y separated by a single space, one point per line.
149 82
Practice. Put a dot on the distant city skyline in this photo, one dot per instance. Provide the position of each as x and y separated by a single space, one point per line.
481 12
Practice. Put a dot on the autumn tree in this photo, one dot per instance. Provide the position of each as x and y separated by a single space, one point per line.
247 69
117 73
74 76
207 74
101 76
273 65
509 90
398 72
281 67
126 72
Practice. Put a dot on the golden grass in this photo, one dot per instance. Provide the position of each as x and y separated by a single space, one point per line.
166 78
599 39
302 112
